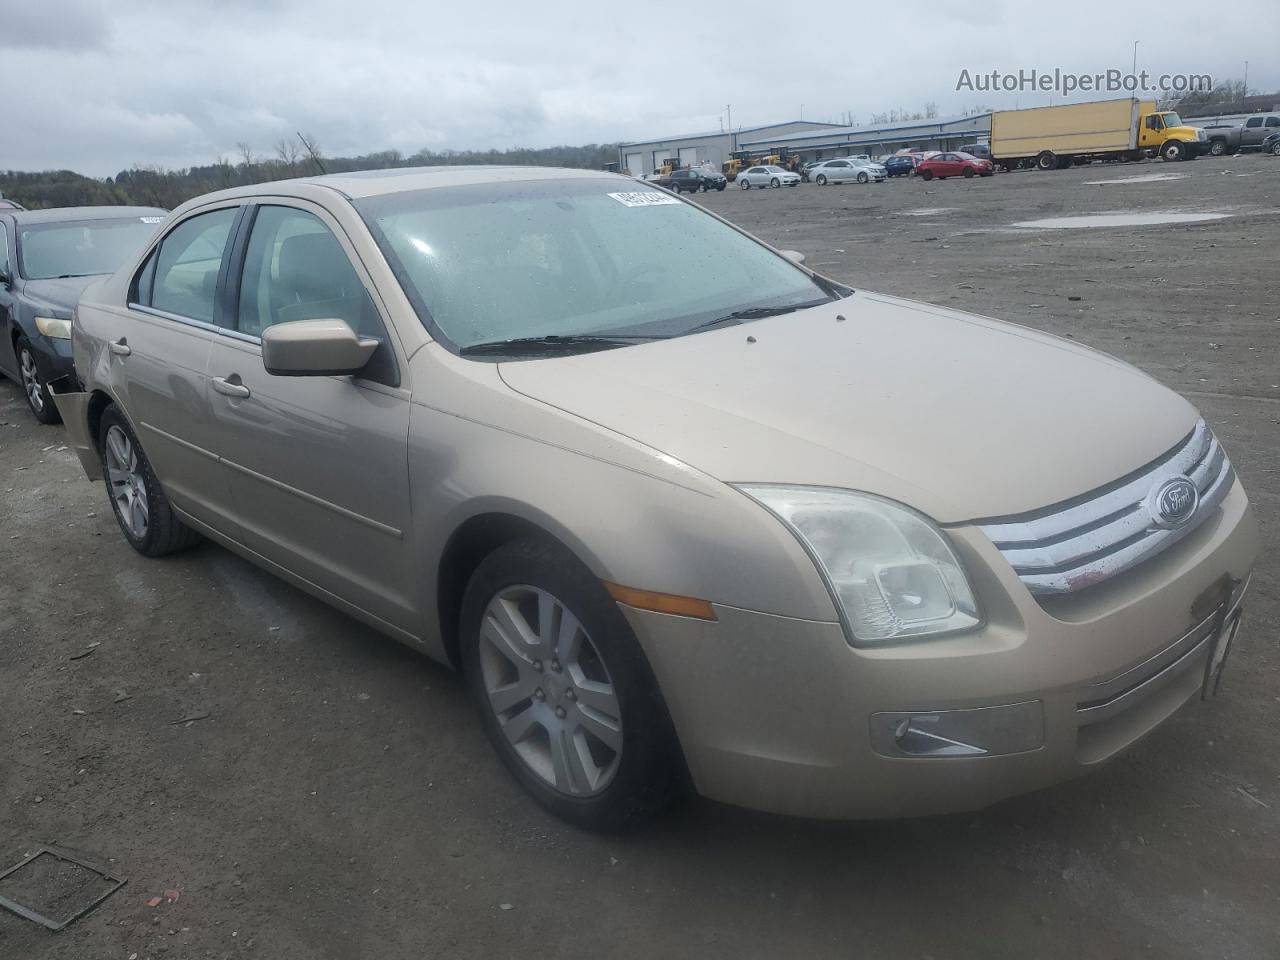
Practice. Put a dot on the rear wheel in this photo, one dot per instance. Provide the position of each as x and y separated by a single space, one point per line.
1275 149
33 385
139 504
564 691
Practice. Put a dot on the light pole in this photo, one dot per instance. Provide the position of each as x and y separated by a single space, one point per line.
1245 91
1135 58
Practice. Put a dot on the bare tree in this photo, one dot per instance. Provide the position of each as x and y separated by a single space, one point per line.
248 162
288 154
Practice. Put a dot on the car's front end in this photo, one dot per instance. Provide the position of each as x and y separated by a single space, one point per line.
1002 611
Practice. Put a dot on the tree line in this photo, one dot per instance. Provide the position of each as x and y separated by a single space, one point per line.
152 186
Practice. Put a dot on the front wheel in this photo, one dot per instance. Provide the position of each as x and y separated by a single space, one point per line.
564 690
139 504
720 188
926 175
746 184
674 188
1217 148
37 391
862 178
968 172
821 180
702 188
1047 161
774 182
1275 149
1173 150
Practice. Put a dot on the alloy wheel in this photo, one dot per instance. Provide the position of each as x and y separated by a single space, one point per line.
128 486
550 690
31 381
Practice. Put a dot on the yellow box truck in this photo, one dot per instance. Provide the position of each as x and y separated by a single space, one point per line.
1055 137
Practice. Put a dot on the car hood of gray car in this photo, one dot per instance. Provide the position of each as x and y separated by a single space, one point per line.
63 292
960 416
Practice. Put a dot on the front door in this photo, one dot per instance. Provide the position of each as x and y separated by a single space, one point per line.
159 355
318 465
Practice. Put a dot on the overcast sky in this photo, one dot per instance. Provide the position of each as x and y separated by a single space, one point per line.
100 86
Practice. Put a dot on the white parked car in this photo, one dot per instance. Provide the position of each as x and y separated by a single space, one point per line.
767 176
844 170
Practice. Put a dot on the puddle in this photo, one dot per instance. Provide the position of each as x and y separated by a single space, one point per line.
928 211
1119 220
1145 178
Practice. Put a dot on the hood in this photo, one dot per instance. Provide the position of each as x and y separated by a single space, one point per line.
64 293
959 416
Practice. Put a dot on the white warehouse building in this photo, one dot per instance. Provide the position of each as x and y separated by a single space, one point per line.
715 147
808 140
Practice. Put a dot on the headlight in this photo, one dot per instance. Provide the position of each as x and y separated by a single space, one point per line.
54 327
892 572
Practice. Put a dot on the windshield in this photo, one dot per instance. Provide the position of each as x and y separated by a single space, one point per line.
575 257
81 248
1171 119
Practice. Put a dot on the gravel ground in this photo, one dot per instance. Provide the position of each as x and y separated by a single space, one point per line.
309 789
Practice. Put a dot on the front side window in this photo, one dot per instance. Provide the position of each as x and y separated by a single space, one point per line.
501 261
186 266
1273 122
80 248
295 269
4 252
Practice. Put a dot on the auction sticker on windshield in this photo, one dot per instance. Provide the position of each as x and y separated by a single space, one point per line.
643 198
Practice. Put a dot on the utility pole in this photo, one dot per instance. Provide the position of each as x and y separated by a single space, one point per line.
733 137
1245 91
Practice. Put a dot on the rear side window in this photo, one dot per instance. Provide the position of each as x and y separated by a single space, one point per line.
1254 122
4 252
183 272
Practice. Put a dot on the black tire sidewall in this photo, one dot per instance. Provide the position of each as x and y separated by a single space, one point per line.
165 533
648 773
49 415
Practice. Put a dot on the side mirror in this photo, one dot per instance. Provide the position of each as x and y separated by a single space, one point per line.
795 256
314 348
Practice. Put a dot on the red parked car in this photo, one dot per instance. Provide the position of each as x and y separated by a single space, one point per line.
954 164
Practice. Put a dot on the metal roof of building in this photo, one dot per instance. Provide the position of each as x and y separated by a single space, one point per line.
724 133
874 131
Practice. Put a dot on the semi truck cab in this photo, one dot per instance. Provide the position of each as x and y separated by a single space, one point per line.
1165 134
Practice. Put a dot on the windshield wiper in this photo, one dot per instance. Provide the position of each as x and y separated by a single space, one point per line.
519 345
757 313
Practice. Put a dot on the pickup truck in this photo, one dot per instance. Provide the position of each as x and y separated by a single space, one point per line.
1249 136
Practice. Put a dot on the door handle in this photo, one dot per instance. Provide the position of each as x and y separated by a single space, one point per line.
229 388
120 347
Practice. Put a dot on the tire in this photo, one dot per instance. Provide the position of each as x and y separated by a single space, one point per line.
122 456
39 400
1047 161
821 180
675 188
746 184
1066 163
1275 149
969 173
702 188
1217 148
862 178
926 175
1173 150
774 182
720 188
607 789
987 173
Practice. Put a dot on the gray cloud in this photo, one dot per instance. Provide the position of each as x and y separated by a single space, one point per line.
181 82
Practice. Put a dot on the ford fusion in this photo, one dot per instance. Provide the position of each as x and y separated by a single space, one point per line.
682 511
47 257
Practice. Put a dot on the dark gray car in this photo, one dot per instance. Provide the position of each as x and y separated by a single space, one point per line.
47 258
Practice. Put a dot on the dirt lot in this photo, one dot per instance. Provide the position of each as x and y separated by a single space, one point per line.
312 790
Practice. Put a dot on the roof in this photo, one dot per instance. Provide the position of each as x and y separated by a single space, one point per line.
372 183
725 133
64 214
877 129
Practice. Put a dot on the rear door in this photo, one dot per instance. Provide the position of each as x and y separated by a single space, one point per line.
8 310
1251 136
160 351
317 465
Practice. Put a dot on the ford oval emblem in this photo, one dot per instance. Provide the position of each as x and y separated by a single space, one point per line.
1173 502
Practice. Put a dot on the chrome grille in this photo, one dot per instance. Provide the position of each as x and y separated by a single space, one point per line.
1073 545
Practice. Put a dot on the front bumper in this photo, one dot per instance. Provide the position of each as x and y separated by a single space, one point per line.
783 715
